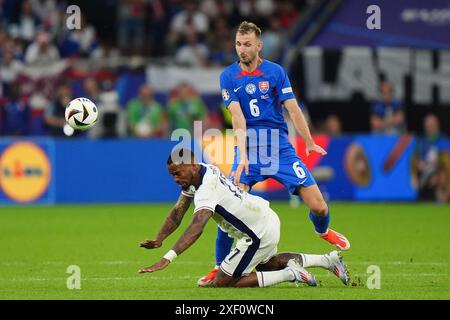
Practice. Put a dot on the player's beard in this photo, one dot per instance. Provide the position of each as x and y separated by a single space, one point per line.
248 60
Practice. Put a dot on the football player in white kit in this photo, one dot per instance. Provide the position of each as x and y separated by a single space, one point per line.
247 218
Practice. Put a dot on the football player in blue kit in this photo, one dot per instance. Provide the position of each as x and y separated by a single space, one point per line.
255 90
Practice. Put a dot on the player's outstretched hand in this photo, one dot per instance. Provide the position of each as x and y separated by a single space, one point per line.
150 244
243 166
161 264
315 148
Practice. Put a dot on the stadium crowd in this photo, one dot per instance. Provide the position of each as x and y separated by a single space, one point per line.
34 36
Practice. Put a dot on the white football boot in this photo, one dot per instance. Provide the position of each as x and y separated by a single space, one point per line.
301 275
337 266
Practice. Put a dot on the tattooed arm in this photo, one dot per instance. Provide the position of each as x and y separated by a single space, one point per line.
194 231
188 238
171 224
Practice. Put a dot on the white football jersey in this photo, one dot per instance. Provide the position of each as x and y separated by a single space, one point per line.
237 212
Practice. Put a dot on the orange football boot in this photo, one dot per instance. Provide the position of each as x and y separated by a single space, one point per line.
336 239
208 279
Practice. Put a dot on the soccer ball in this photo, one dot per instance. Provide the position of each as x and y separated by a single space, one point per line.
81 113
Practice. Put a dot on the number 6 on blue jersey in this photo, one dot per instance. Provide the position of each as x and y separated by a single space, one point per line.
254 109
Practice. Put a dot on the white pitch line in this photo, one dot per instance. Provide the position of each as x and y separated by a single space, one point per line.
197 263
188 277
396 263
142 277
118 262
402 275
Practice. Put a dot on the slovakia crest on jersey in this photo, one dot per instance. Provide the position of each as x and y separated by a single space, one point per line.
264 86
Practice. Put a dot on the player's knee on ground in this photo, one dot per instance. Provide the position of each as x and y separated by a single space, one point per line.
319 208
223 281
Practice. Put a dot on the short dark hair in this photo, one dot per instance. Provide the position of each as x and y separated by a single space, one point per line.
181 155
248 27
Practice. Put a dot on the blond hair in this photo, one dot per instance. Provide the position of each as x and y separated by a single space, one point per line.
249 27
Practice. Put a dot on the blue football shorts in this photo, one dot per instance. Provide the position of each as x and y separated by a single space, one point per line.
285 167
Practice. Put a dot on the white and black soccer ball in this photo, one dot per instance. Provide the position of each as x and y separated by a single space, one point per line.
81 113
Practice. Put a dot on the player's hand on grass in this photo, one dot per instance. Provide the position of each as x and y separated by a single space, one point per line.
150 244
161 264
243 165
315 148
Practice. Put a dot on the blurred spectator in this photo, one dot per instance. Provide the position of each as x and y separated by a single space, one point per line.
272 39
111 122
79 42
131 26
193 53
185 21
2 15
287 13
226 54
91 89
26 24
225 117
54 116
41 51
258 8
220 32
333 126
11 44
387 114
185 107
16 114
215 9
3 37
9 69
431 162
158 25
106 54
145 115
44 10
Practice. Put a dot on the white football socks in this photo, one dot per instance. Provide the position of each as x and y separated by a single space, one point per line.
269 278
315 260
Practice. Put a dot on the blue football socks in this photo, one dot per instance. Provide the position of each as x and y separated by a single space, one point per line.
320 223
223 246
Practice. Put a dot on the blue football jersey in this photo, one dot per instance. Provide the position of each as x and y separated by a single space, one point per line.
259 93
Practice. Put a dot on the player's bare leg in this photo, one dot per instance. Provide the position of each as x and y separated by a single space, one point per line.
293 272
314 200
332 262
279 261
285 267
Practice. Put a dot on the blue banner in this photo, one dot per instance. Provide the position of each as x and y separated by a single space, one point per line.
45 171
406 23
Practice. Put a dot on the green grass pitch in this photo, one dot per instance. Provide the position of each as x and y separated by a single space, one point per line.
408 242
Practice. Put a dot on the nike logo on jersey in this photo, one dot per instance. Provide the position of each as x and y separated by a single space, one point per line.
236 90
303 181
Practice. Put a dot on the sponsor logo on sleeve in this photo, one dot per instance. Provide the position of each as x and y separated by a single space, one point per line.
286 90
225 95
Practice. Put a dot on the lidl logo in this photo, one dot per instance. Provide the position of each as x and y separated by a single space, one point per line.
25 172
